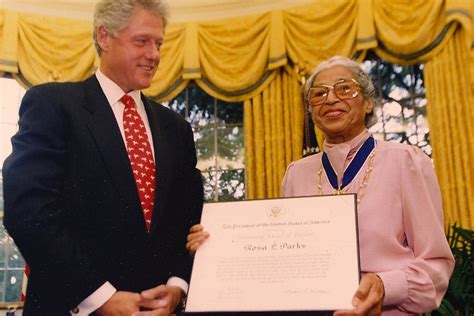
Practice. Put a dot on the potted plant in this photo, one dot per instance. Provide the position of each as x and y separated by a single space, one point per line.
459 298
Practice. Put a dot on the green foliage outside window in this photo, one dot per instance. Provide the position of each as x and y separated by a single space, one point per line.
402 112
11 263
219 137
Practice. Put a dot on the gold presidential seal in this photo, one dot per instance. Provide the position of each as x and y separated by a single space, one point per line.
276 212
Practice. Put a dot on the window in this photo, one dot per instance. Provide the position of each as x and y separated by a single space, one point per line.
402 111
11 262
219 136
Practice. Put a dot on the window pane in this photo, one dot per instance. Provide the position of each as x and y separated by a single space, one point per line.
201 106
205 148
402 111
210 184
230 147
231 185
396 137
218 134
230 112
396 93
419 83
3 245
15 260
370 67
394 125
13 289
2 285
178 105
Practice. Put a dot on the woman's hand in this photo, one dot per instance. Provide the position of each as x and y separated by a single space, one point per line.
368 299
196 237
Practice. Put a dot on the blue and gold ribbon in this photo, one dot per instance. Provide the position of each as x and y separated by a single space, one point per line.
353 168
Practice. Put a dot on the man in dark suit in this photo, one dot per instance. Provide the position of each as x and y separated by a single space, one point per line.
102 223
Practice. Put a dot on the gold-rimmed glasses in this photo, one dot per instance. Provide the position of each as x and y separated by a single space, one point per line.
344 90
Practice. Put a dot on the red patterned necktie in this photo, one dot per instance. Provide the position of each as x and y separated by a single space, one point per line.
140 155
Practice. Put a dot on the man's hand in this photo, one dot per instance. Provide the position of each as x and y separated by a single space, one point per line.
159 301
121 303
368 299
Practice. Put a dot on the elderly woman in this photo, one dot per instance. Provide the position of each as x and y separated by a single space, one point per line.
405 258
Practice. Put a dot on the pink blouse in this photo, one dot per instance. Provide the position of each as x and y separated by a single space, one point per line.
400 215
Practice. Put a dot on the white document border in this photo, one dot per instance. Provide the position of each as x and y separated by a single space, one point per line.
202 295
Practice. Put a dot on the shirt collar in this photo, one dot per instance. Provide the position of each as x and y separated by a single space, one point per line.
112 91
341 154
353 143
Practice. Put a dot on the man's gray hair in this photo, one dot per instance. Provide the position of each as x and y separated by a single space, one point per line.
115 14
366 85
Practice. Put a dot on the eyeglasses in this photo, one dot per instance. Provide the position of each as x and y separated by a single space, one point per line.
344 90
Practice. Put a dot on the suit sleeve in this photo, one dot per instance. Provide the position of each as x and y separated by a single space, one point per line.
35 214
186 204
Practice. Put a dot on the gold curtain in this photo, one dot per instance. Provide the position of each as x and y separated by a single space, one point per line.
316 32
273 134
169 80
451 116
405 37
440 35
235 58
65 56
251 58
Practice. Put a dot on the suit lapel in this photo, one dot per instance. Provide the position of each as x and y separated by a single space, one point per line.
160 128
104 129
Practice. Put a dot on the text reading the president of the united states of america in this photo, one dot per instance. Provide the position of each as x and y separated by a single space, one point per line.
275 224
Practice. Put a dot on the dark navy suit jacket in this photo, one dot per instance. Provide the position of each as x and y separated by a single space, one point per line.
71 203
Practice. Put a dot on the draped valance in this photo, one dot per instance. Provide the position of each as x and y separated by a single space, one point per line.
234 58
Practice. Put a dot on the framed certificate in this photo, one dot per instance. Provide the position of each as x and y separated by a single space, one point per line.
280 255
